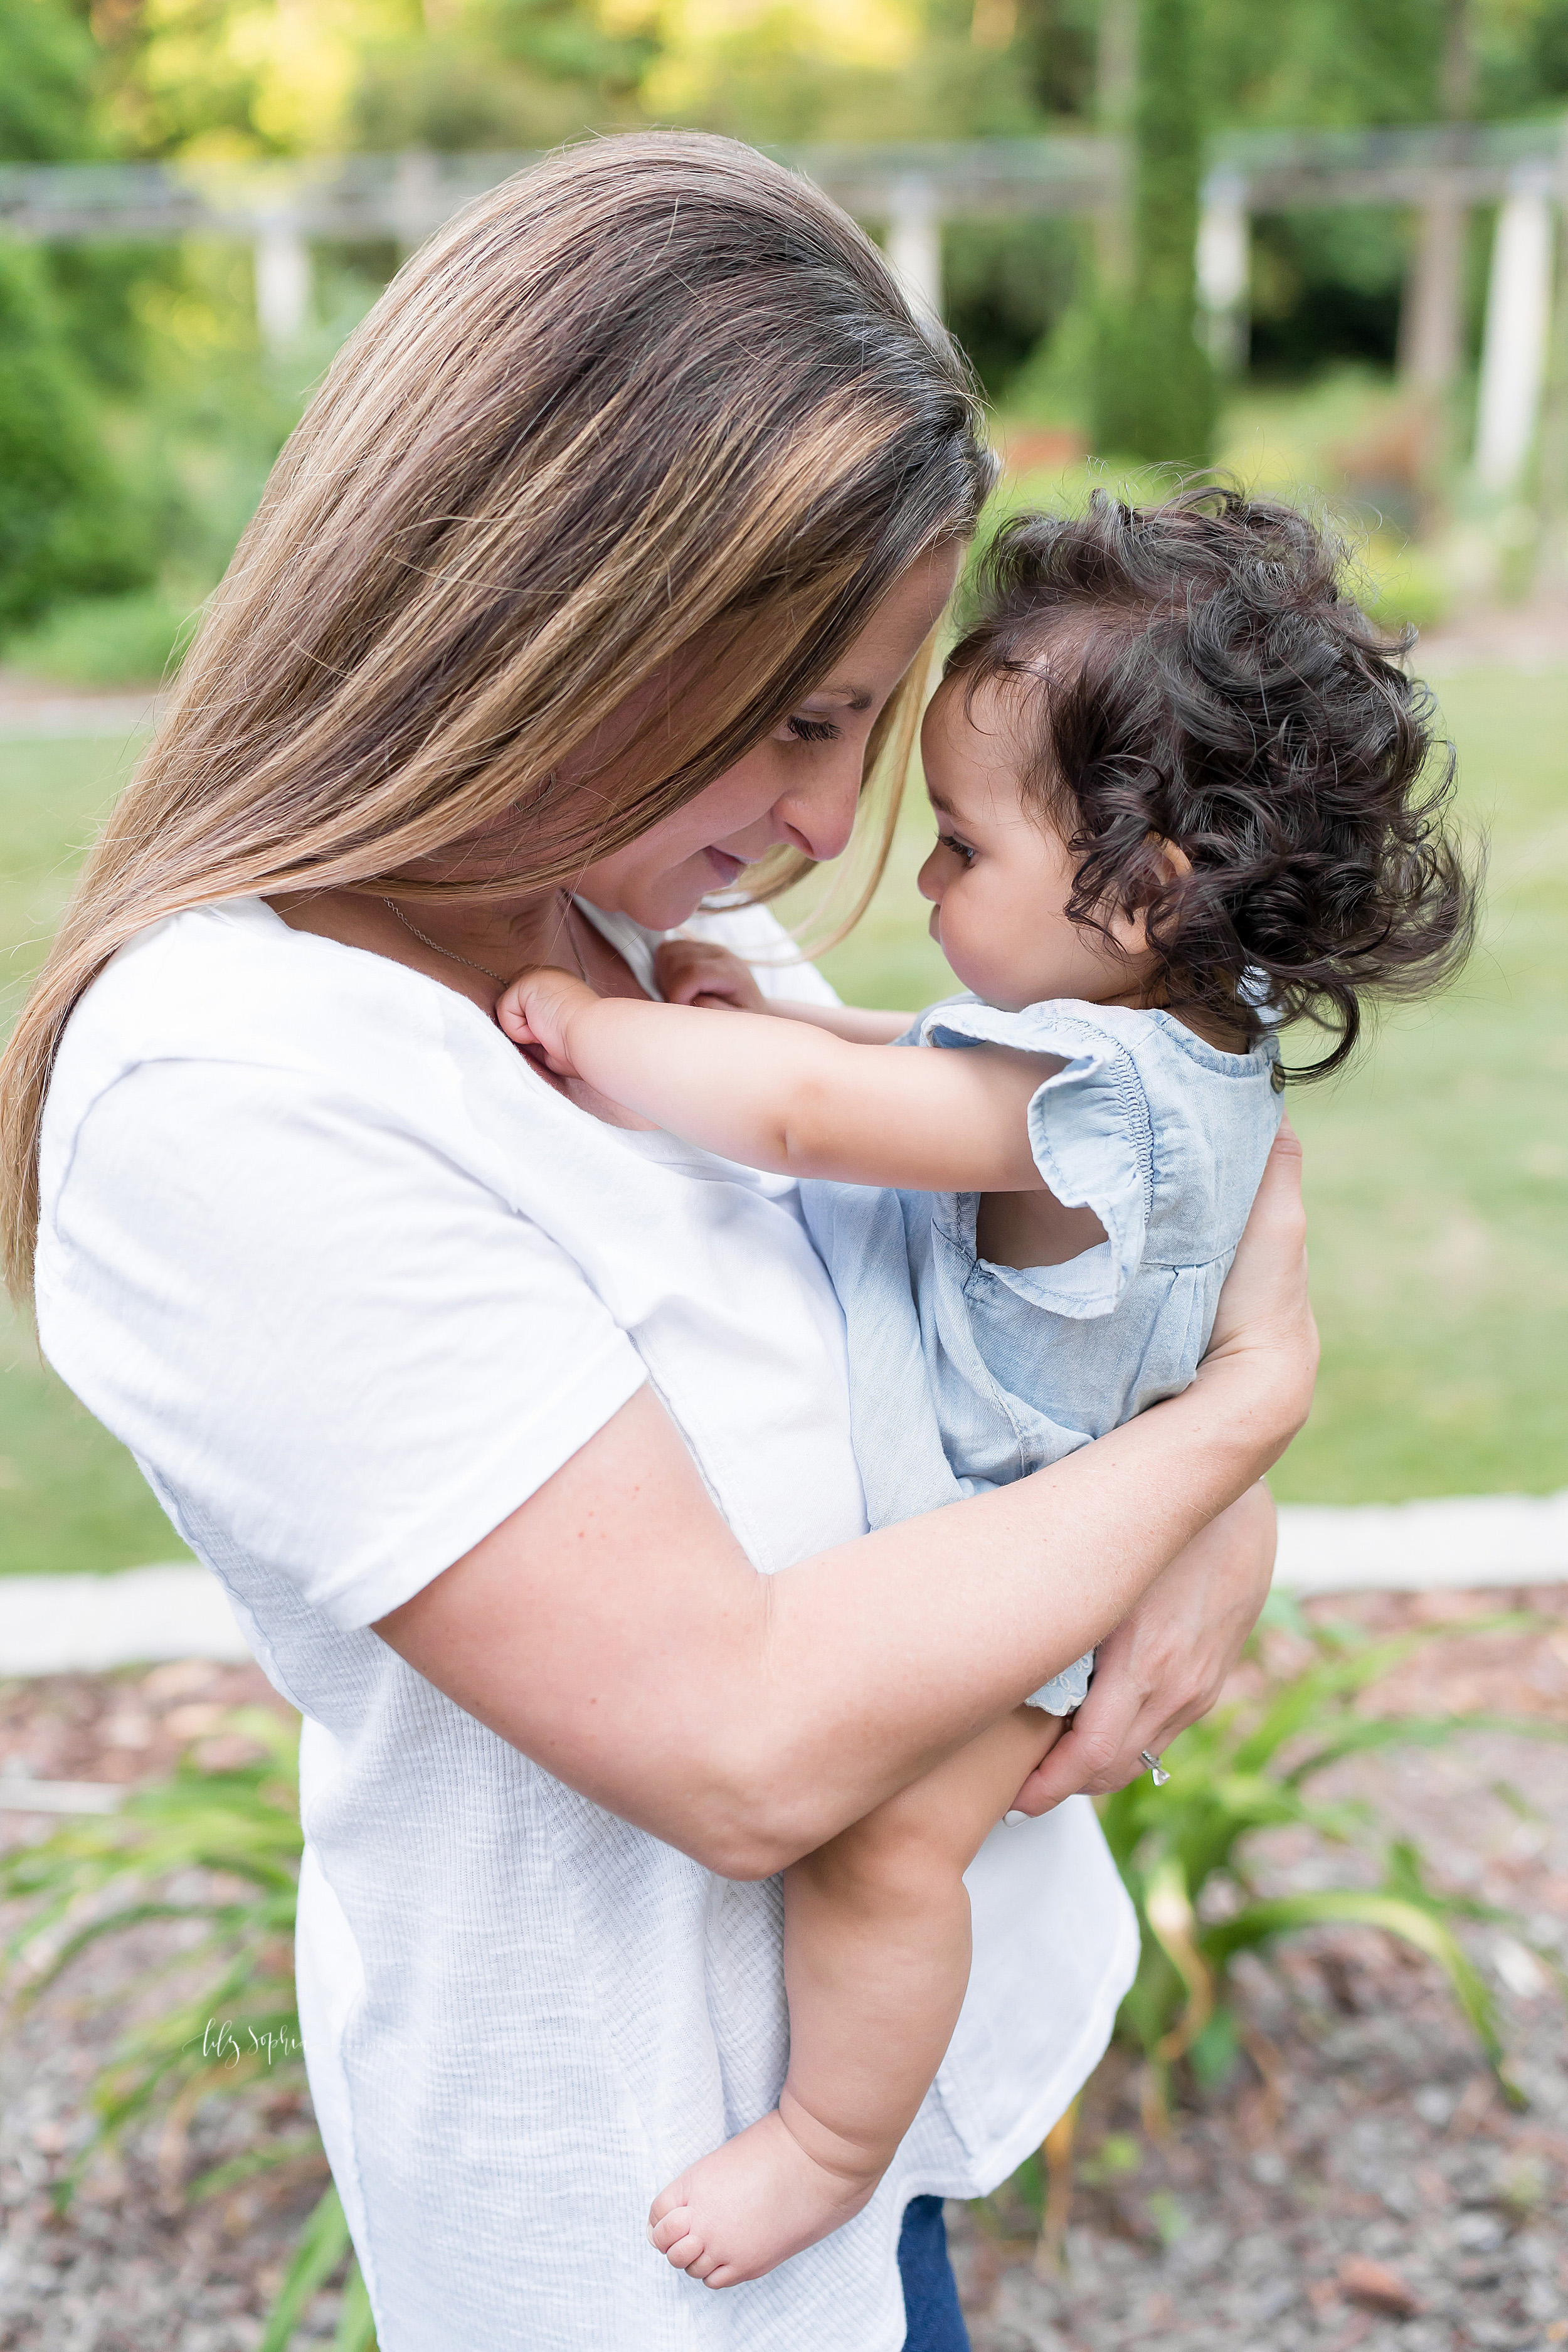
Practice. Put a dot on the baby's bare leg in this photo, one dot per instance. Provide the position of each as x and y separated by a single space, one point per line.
877 1950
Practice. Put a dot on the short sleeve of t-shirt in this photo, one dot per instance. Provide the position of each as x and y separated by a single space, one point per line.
340 1349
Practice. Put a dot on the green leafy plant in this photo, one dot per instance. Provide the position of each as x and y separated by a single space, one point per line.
130 640
1183 1848
219 1851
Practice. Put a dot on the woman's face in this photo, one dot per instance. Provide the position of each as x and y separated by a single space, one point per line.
800 785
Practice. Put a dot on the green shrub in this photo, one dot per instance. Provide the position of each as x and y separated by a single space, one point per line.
67 525
104 640
1402 586
48 57
1154 394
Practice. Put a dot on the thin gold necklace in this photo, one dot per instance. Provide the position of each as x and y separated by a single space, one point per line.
453 957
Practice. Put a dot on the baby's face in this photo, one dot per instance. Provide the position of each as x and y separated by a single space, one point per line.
999 878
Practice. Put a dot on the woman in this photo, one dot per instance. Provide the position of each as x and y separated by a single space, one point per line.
598 573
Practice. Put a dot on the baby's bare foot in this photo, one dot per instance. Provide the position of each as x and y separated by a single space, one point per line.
759 2198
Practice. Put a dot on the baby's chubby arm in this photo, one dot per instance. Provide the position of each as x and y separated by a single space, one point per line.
787 1095
700 972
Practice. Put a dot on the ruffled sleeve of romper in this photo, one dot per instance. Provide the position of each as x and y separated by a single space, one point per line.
1090 1133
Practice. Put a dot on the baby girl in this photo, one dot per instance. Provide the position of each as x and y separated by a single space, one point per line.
1182 800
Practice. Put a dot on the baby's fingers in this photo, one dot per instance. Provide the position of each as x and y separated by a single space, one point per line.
511 1015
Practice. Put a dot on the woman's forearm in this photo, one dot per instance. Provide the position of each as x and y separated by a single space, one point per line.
966 1610
614 1632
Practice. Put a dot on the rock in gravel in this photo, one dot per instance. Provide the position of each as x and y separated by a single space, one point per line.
1375 2285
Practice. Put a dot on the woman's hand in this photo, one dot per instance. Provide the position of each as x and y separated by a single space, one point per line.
1263 1325
536 1010
1166 1663
698 972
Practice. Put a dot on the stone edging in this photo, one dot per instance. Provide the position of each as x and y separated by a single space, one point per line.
88 1624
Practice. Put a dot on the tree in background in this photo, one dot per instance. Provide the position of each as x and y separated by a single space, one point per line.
501 73
48 66
249 78
67 525
1154 395
1068 326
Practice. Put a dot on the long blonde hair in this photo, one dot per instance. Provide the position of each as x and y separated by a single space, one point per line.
654 401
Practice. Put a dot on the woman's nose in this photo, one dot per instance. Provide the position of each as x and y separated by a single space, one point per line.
819 812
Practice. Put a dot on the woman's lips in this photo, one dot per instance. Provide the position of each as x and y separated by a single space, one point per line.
724 866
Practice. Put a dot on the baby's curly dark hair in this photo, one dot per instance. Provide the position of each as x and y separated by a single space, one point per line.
1209 683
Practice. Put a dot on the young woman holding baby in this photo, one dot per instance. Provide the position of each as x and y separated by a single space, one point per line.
602 569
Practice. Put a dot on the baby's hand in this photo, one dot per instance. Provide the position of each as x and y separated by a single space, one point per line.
695 971
536 1011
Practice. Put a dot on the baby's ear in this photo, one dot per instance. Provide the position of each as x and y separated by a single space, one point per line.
1163 862
1177 865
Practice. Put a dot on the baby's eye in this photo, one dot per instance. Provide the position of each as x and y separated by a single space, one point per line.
812 731
959 849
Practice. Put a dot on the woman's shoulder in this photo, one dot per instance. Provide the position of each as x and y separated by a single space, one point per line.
234 982
233 985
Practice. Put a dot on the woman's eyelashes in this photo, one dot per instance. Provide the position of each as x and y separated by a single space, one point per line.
812 731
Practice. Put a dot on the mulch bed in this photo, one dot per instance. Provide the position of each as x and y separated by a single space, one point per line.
1358 2181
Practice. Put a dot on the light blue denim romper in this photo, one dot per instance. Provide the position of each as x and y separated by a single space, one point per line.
966 1375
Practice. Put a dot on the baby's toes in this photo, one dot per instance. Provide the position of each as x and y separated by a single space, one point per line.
669 2201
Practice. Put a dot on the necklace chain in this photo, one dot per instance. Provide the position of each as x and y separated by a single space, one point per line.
453 957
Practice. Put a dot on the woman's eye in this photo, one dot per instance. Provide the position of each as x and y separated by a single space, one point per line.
812 731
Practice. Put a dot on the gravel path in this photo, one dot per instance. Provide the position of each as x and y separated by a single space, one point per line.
1365 2184
1358 2181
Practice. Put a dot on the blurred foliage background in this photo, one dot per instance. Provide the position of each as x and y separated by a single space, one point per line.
141 410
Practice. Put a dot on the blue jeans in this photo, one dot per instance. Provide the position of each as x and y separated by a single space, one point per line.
931 2314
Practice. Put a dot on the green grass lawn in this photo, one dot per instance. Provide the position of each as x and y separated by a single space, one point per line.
1437 1171
71 1499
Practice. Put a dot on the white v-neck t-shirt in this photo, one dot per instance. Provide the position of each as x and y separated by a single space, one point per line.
351 1282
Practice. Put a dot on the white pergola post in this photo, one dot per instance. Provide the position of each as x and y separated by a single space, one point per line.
282 284
1224 267
914 244
414 202
1519 315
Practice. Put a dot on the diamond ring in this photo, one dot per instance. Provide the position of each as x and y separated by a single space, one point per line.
1155 1767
